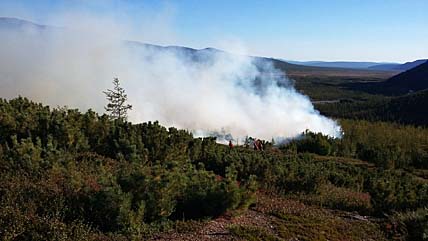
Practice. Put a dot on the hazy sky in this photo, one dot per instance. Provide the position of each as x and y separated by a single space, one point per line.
364 30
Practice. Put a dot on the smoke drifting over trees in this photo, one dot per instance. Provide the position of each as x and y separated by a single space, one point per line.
215 91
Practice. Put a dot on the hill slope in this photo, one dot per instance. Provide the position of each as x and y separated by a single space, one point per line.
411 80
82 176
407 109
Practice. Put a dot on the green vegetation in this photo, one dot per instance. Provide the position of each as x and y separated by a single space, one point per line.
407 109
413 224
377 96
340 198
337 88
117 106
66 175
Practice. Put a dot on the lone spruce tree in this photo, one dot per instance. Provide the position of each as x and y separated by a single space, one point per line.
117 106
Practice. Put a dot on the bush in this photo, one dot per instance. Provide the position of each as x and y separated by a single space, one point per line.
314 143
412 225
342 199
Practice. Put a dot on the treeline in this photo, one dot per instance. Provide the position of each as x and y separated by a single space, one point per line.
408 109
387 145
66 175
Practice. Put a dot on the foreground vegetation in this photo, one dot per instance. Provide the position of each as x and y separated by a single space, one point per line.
66 175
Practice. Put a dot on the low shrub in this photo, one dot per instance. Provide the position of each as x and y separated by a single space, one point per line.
412 225
341 198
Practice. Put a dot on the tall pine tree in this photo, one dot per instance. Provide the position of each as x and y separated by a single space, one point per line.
117 106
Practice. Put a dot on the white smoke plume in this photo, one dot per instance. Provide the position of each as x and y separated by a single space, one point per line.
216 92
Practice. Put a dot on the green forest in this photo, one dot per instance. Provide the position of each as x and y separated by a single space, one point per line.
408 109
72 175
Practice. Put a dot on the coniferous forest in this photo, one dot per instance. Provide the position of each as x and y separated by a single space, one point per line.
72 175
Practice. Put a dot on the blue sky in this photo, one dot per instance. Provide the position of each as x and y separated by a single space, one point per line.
364 30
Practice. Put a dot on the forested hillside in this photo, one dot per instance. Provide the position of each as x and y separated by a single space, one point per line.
67 175
414 79
406 109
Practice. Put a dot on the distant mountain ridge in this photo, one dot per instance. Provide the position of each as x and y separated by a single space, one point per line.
399 67
339 64
207 54
362 65
204 54
15 23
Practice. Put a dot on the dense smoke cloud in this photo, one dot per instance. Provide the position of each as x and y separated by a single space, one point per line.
207 90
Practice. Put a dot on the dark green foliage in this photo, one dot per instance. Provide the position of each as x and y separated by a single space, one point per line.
314 143
110 175
413 79
117 106
72 176
396 190
406 109
411 225
329 89
414 224
386 145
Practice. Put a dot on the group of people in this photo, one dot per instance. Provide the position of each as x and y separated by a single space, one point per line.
257 145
